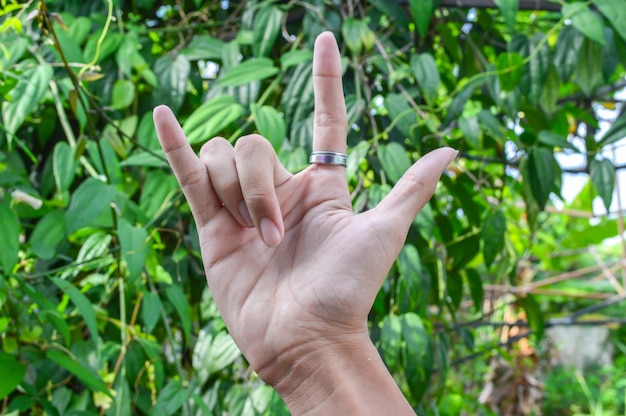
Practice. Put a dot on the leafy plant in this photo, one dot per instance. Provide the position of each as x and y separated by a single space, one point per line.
104 308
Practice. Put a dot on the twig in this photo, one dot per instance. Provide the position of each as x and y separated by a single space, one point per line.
606 272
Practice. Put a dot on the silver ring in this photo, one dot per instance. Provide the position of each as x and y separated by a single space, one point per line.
329 158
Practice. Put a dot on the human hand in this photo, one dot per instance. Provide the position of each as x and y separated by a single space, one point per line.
293 270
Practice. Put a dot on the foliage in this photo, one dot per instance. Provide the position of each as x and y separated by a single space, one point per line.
104 308
603 390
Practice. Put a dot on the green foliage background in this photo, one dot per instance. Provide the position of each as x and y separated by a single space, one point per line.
103 304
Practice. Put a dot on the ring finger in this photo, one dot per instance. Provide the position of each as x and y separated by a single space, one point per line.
219 157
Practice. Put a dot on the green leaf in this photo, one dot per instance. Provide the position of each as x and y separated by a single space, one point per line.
458 103
615 12
133 247
96 245
14 49
172 74
418 355
539 65
297 100
270 124
9 238
63 166
472 133
422 11
158 191
535 72
92 381
492 235
551 91
534 315
127 55
89 200
394 160
603 178
122 400
401 113
80 28
13 372
123 94
253 69
391 341
351 30
554 140
179 301
295 57
48 233
25 98
541 173
490 125
71 49
610 54
510 68
151 310
453 289
585 21
171 399
203 47
588 71
146 159
210 118
213 352
266 29
616 132
415 276
508 8
463 249
566 52
58 322
590 235
109 46
87 312
20 404
426 74
476 288
394 11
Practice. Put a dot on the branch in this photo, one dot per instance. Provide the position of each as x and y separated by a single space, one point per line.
515 164
598 94
490 4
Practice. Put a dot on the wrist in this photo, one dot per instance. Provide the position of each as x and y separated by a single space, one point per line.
347 377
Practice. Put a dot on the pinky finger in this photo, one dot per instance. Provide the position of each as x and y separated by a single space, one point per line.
188 169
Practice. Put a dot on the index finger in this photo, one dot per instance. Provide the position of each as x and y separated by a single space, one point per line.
330 119
188 169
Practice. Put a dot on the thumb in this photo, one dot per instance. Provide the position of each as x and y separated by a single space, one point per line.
400 207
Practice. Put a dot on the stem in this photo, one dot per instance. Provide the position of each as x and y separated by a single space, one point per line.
67 129
168 328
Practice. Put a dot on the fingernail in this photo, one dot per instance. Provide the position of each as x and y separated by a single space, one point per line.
269 232
245 214
453 156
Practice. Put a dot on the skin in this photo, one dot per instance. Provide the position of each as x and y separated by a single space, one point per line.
293 270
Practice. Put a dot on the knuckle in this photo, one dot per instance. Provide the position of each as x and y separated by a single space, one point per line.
329 119
192 178
251 144
213 145
256 197
417 183
174 148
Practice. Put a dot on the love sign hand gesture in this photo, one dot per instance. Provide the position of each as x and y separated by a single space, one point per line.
293 270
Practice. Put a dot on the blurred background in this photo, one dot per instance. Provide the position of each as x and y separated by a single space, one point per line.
509 297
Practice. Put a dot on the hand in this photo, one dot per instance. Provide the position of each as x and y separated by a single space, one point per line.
293 270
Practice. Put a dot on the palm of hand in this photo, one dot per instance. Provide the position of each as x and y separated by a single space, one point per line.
324 274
